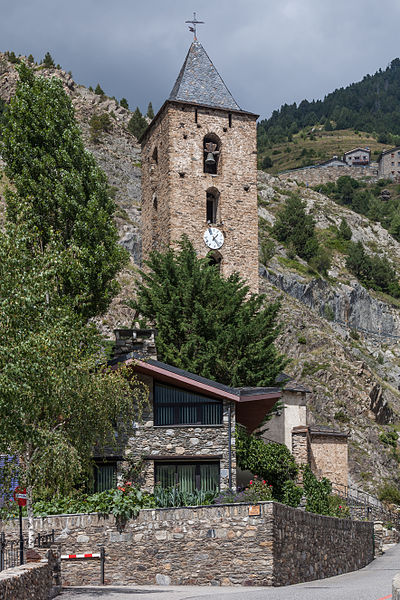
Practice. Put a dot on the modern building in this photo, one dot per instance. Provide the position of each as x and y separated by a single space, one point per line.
358 157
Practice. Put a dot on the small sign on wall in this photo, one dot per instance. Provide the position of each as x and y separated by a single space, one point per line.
255 511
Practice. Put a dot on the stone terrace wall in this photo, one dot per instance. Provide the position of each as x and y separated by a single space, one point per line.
212 545
319 175
396 587
27 582
308 546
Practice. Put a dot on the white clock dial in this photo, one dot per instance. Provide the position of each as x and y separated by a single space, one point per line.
213 238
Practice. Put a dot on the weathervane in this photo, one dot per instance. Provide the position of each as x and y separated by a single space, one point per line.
194 22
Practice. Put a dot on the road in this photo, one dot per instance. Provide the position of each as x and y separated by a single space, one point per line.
374 582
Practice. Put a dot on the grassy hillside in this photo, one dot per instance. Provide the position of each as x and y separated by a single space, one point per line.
314 145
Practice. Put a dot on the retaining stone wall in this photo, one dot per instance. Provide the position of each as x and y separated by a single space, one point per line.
320 175
212 545
396 587
32 581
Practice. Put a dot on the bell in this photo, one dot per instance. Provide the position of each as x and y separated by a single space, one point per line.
210 160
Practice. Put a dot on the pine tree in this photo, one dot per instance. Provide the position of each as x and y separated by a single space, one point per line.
137 123
344 230
150 111
124 103
31 60
207 324
48 61
297 229
98 90
59 190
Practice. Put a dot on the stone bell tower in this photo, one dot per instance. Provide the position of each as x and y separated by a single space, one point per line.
199 172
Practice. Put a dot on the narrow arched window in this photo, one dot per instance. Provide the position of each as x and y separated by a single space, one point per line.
212 151
154 156
212 201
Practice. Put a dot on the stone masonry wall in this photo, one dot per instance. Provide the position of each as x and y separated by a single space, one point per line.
308 546
178 182
29 581
329 458
319 175
182 441
265 544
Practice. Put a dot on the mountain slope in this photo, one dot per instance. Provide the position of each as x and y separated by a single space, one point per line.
354 373
370 105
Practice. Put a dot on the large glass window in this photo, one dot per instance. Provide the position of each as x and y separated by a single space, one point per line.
105 476
175 406
188 477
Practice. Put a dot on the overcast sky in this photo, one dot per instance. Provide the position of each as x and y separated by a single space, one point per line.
268 51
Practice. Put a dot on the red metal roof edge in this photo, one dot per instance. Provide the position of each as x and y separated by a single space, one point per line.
155 370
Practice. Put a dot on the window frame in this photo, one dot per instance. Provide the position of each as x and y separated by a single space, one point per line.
177 422
188 463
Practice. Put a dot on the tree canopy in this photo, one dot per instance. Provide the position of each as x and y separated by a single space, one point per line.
207 324
296 228
137 123
60 191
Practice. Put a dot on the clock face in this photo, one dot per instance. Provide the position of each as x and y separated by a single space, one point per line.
213 238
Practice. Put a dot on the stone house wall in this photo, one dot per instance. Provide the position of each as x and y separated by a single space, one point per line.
178 182
389 165
319 175
183 441
329 458
240 544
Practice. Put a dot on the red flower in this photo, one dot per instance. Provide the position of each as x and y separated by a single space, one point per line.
264 482
251 482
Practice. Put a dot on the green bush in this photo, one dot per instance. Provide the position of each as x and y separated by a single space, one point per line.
389 493
317 492
98 125
292 493
296 228
338 507
267 250
271 462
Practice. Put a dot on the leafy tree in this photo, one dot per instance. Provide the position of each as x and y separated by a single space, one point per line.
272 462
207 324
150 111
124 103
57 399
317 492
98 90
48 61
294 227
137 123
59 190
345 232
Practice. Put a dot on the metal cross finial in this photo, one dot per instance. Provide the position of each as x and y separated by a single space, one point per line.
194 22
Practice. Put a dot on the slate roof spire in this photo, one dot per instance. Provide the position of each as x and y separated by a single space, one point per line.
200 83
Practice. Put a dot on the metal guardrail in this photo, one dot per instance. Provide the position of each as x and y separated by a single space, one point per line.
9 553
365 506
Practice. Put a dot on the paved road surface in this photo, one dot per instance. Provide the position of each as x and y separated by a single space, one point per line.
374 582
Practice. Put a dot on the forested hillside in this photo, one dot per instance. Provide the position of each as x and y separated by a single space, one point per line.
371 105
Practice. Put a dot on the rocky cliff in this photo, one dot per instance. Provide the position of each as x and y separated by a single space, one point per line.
341 338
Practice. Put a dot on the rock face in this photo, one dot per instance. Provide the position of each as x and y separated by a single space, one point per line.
342 340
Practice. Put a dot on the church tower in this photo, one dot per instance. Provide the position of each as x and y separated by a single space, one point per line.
199 172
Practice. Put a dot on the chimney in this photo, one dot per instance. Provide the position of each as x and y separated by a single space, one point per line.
140 343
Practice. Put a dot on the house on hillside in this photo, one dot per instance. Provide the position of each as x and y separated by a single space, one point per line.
335 161
389 164
358 157
187 435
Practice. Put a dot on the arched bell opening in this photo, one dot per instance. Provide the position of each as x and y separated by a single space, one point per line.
212 205
212 151
215 259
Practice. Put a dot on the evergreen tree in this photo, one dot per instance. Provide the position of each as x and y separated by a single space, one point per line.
48 61
98 90
124 103
137 123
344 230
207 324
267 162
150 111
31 60
328 125
59 190
297 229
